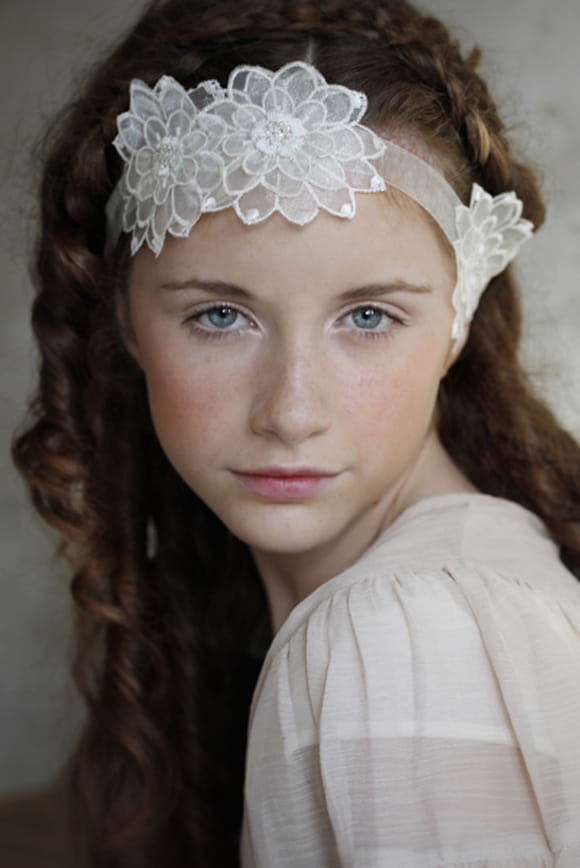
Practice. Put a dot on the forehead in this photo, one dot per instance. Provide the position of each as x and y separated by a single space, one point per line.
390 236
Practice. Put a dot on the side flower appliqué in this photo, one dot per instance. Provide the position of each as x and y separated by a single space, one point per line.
490 233
294 144
173 162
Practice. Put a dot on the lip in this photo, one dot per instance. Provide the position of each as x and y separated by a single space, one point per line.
285 483
287 472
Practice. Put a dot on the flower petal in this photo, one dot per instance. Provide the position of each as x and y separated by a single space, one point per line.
338 202
131 135
513 236
162 216
299 209
143 101
496 262
186 171
363 177
210 169
224 110
347 144
282 184
178 124
297 166
132 176
320 143
236 180
213 127
256 84
205 93
508 211
327 174
256 162
311 114
146 186
244 75
278 100
174 98
187 204
162 188
139 236
255 205
145 211
343 106
246 117
130 214
144 160
481 210
299 79
154 130
462 220
193 142
236 143
372 145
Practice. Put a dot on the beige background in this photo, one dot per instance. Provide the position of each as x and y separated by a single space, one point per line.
532 63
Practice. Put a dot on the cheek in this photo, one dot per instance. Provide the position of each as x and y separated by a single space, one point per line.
394 400
192 403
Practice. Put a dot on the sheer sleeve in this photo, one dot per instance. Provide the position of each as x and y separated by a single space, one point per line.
382 739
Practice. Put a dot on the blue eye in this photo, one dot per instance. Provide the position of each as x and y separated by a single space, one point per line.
221 317
219 321
368 317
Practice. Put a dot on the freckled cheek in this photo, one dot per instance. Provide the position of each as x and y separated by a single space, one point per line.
395 402
193 402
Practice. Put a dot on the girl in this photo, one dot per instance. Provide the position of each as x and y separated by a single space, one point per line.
323 536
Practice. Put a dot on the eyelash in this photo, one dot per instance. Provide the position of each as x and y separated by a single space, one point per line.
220 334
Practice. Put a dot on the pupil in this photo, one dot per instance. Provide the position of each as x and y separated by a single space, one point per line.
367 317
222 316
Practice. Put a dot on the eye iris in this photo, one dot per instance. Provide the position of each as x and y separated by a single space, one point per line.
222 316
367 317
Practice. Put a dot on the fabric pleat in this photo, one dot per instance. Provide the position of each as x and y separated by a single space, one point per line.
422 709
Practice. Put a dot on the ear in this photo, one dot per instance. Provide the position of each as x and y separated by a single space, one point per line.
123 316
455 349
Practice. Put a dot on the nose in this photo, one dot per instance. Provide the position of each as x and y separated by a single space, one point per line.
292 396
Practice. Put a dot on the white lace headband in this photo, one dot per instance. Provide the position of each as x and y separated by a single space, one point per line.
288 141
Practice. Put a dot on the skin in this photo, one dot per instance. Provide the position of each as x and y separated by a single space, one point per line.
296 375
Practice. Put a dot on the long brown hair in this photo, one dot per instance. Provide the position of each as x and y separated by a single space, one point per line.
167 600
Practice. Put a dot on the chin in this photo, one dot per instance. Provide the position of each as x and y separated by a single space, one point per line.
284 533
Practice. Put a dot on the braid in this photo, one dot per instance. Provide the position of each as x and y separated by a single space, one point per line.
181 619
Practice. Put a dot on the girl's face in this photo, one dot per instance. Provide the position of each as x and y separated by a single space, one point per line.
274 349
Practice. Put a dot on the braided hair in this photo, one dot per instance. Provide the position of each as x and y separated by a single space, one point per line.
167 600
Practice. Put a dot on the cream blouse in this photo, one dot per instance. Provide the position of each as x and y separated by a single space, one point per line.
422 708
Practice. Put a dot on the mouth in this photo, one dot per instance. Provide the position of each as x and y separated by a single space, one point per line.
287 472
286 483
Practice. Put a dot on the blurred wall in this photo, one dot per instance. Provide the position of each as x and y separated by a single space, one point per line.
533 68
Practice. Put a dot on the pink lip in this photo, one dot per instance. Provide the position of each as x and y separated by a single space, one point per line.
286 483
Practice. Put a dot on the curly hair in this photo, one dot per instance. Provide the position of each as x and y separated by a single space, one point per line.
167 600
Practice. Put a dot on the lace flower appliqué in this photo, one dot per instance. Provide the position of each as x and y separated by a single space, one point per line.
294 144
287 141
490 233
173 161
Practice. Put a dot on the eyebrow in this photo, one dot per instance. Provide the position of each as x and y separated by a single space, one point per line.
221 288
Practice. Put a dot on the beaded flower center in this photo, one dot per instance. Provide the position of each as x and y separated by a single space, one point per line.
278 134
167 156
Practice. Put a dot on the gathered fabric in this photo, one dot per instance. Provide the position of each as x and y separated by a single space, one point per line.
422 708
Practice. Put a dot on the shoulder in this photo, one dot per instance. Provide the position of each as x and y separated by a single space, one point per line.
433 559
402 656
448 620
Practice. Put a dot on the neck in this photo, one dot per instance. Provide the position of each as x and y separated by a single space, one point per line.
290 577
